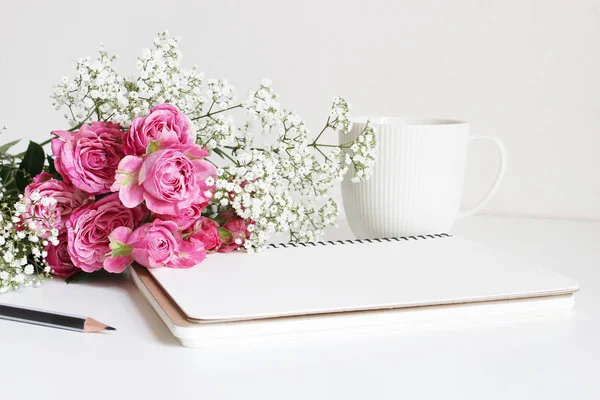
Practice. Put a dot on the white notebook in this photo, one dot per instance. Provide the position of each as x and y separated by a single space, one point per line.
342 278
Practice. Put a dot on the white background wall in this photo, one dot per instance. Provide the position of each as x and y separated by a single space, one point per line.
527 71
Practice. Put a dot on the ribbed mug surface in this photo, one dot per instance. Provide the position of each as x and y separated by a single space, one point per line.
417 180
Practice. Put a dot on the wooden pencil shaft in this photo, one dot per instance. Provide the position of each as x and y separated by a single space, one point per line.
41 318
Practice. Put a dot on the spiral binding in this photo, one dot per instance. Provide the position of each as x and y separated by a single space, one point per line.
348 241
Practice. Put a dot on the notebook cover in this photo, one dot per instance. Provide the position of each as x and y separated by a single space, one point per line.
193 333
353 277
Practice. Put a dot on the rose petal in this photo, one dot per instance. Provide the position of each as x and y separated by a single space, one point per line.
191 253
120 235
116 265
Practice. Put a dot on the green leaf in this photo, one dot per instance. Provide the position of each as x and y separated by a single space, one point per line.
96 276
120 249
52 169
22 179
33 160
8 174
5 171
75 277
220 220
153 146
224 234
32 164
4 148
219 152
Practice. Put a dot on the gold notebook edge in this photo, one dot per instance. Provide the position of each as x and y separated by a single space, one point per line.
179 318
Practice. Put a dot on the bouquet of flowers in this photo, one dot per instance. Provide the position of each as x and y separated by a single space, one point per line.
154 170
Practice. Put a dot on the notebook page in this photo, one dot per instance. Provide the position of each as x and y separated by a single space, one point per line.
350 277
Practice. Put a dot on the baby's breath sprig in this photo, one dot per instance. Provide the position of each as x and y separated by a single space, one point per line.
361 153
96 92
22 249
295 175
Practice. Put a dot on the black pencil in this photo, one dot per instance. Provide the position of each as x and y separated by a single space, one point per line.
53 320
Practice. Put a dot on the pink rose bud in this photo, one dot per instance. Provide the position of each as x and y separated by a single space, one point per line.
206 231
88 158
233 234
89 228
58 258
164 127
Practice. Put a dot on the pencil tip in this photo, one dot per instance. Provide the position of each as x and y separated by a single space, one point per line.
91 325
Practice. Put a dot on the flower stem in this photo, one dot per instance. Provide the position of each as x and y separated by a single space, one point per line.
235 148
211 107
208 114
225 155
323 154
322 130
341 146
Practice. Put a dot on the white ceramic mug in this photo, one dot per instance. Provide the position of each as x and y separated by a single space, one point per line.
417 181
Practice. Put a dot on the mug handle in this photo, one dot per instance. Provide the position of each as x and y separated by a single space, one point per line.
502 151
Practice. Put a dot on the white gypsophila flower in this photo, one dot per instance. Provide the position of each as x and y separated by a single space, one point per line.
20 208
218 130
262 105
161 80
8 256
221 93
48 201
35 196
361 153
98 90
339 115
19 255
264 184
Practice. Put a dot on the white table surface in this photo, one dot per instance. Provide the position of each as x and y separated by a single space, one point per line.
549 358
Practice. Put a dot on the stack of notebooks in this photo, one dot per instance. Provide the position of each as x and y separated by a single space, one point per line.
345 287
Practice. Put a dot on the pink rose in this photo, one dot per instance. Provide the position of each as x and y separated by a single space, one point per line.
153 244
88 158
58 258
169 180
156 244
206 231
55 215
89 226
165 126
233 234
186 217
